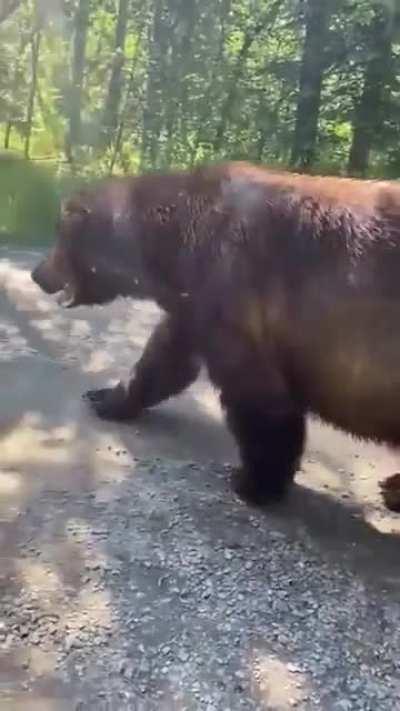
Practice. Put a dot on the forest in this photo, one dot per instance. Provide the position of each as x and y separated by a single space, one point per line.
99 87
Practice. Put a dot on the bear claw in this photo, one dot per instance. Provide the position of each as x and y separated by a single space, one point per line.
110 403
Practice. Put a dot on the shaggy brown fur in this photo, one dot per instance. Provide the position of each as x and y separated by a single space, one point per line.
287 287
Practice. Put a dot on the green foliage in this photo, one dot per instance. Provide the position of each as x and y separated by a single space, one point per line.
28 200
200 80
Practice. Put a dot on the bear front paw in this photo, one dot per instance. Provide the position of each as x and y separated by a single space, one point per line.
111 403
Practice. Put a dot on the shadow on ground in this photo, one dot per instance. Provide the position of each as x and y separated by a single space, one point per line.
132 577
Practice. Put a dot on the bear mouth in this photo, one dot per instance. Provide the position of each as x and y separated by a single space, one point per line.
66 297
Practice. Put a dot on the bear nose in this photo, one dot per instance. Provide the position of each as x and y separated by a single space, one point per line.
35 274
46 278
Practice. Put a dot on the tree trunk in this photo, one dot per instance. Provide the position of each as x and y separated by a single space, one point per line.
121 125
209 95
181 63
7 135
227 106
368 115
35 51
111 109
239 67
78 67
313 65
152 113
17 78
7 8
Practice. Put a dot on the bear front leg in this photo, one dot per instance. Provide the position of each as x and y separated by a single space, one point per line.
169 364
271 444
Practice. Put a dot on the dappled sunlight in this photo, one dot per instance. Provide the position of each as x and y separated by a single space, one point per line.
383 463
385 522
29 442
17 284
92 609
98 361
57 328
74 453
12 342
277 684
320 474
10 484
92 346
38 577
89 611
208 402
36 702
11 493
124 339
42 662
80 328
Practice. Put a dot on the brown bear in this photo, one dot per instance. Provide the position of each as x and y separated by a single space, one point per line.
287 287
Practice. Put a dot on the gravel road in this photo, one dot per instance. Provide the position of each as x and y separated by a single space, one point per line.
132 577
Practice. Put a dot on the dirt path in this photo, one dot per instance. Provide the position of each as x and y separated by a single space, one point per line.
131 577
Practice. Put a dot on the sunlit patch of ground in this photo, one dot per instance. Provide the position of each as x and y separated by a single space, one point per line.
278 685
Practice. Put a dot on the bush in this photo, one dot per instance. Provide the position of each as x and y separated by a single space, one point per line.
29 201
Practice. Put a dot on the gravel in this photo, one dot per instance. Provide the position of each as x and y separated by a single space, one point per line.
188 599
133 578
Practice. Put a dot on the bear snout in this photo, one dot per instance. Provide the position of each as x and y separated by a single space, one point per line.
47 278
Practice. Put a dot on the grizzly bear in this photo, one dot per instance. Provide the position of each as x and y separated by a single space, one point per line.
287 287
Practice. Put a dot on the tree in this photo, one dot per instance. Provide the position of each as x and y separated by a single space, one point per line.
35 50
7 7
113 98
122 85
124 110
368 114
81 27
152 113
313 65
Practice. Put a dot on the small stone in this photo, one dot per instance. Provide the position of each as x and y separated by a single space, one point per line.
124 666
344 705
71 642
293 668
183 656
